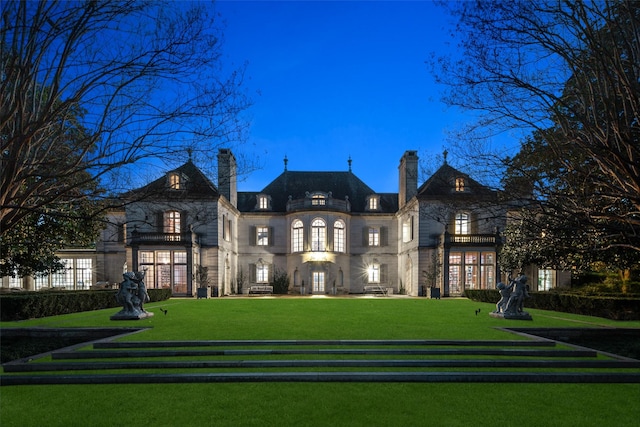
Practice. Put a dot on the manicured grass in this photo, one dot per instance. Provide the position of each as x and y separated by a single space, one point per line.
322 404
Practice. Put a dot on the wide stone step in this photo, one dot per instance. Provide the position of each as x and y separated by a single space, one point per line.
516 361
378 377
326 363
507 352
247 343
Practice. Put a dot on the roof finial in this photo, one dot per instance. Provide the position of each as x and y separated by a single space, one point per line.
349 161
285 162
190 152
444 154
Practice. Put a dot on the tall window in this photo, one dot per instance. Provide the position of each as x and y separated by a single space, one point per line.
172 222
164 269
77 274
374 236
455 270
545 279
471 270
226 228
262 236
338 236
297 236
407 230
459 184
373 273
462 224
318 281
262 273
318 235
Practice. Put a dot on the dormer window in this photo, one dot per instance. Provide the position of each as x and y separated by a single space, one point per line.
263 202
318 200
373 203
175 181
460 185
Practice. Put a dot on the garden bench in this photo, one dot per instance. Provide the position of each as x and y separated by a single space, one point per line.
375 289
261 289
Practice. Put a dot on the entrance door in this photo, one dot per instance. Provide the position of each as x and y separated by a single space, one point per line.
318 282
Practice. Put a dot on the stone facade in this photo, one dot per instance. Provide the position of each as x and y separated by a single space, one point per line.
328 231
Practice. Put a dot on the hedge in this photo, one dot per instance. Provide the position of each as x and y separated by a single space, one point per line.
610 307
31 305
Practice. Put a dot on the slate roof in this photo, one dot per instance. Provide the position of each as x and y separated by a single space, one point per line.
297 184
196 186
442 183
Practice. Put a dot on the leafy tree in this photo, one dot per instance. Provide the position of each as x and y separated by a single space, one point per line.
568 75
88 91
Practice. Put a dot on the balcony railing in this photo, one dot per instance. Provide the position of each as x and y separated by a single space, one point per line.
315 204
169 238
471 239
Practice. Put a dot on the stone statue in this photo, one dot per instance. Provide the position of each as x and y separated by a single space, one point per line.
511 303
132 294
505 293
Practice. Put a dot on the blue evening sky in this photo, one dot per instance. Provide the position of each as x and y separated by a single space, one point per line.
332 80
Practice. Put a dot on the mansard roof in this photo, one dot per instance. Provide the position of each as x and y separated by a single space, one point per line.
443 183
194 185
296 185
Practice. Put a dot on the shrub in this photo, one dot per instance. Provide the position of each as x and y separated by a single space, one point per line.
610 307
30 305
280 281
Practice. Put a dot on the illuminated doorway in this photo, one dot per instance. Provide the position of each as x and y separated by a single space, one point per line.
318 282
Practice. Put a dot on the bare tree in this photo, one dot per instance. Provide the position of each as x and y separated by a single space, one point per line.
568 73
91 89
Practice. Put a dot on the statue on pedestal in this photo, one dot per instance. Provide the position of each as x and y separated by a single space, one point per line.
132 294
511 303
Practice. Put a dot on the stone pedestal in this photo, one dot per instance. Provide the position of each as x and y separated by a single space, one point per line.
131 315
512 316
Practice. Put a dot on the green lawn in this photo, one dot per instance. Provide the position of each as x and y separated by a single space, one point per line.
322 404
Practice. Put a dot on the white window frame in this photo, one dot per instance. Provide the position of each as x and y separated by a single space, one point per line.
318 200
263 202
374 236
262 273
462 223
373 273
262 236
297 236
338 236
407 230
171 223
318 235
374 203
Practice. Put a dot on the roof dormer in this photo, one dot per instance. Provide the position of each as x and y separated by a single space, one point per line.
373 203
176 181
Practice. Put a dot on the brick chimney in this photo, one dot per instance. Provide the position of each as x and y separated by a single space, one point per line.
227 175
408 177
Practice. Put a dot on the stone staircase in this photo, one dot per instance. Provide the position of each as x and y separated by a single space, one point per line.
490 361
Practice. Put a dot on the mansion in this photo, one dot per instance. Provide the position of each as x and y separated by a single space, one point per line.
328 232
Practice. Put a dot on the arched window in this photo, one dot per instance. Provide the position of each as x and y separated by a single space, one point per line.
462 224
338 236
171 223
297 236
318 235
